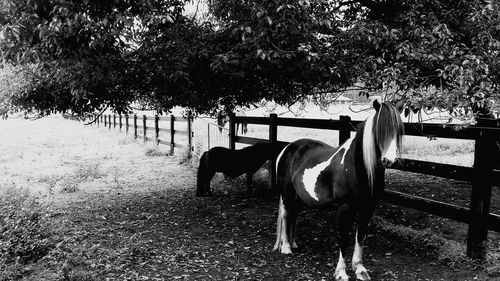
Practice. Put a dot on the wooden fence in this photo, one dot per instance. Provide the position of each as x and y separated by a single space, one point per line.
482 175
130 123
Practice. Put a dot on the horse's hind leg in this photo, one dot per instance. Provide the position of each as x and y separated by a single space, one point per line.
345 224
282 224
292 223
208 189
357 260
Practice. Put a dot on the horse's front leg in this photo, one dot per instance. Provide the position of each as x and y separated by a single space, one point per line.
345 223
357 257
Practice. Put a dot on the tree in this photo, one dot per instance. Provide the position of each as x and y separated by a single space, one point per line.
441 54
75 52
435 54
90 55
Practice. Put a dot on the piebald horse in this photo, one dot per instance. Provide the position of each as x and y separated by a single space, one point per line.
311 173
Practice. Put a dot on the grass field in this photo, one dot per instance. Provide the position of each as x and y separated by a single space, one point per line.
88 203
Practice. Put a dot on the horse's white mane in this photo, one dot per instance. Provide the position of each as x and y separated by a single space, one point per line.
379 130
369 155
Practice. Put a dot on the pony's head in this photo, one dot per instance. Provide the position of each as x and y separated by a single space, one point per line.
382 136
222 119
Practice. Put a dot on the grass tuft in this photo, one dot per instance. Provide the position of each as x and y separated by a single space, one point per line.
70 185
83 172
25 234
154 150
187 158
126 140
87 170
51 181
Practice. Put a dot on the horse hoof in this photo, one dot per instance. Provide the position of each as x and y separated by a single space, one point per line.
363 275
341 276
285 249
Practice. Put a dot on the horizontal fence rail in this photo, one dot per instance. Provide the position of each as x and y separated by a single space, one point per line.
483 175
139 124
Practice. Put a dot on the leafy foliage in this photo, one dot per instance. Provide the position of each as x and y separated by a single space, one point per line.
75 50
90 55
440 54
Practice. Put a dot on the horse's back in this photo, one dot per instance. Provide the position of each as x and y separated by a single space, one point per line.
301 150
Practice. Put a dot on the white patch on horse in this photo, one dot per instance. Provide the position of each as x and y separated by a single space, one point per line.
357 261
279 156
358 252
340 273
285 244
310 176
391 153
346 145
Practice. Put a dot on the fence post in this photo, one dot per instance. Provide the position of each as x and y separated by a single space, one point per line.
97 120
232 131
157 129
120 118
345 132
190 132
135 126
126 123
145 138
273 138
172 133
114 121
109 121
481 194
105 121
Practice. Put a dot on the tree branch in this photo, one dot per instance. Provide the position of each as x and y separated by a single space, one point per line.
97 117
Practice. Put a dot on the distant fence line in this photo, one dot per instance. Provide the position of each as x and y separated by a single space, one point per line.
123 121
139 125
482 176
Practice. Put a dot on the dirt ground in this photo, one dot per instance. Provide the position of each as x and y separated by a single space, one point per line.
137 218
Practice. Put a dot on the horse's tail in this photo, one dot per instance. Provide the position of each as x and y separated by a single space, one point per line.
202 175
279 226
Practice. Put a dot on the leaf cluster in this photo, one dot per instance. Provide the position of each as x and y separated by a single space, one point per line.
90 55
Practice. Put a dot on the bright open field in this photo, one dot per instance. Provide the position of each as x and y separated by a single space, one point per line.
87 203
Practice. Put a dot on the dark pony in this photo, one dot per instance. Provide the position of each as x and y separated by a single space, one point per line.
234 163
351 177
223 118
